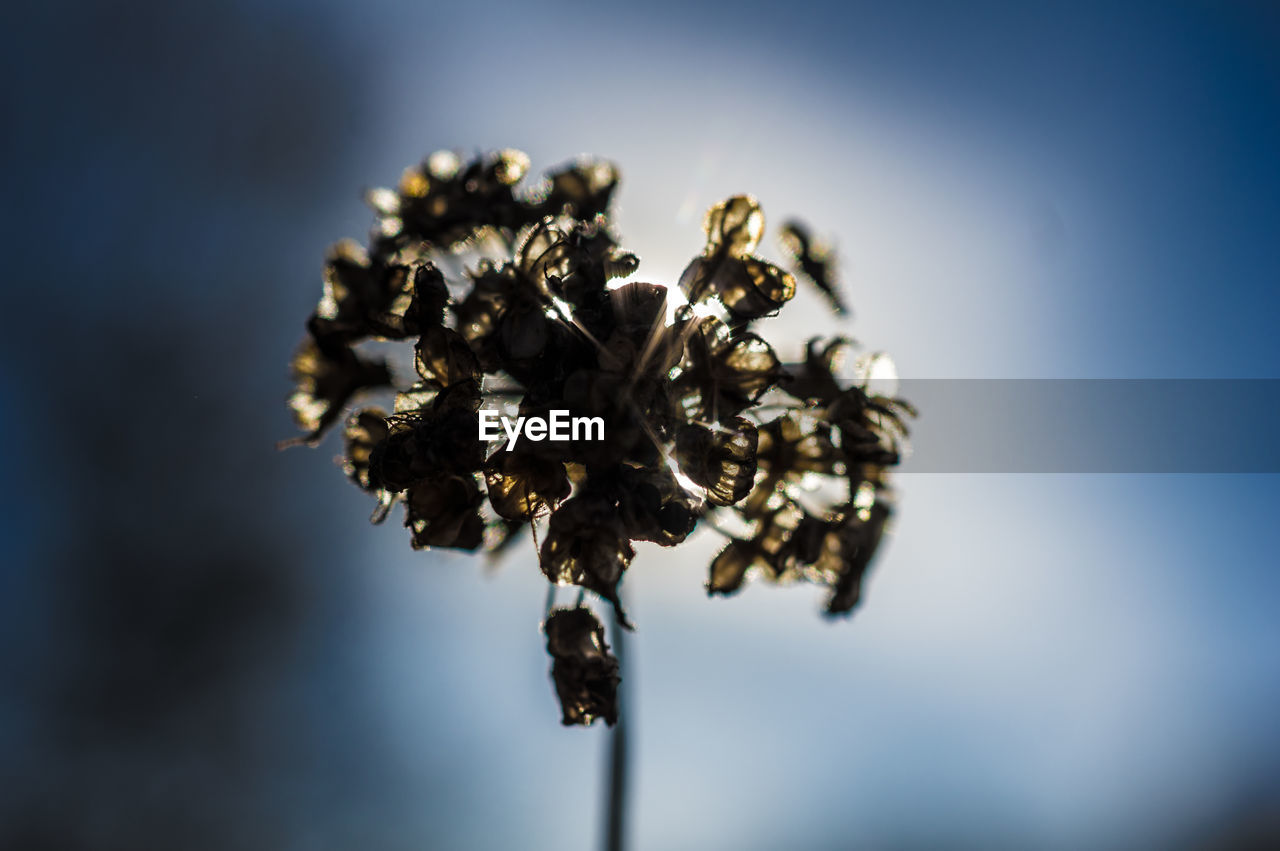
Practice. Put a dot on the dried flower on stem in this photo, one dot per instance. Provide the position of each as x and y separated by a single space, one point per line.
521 299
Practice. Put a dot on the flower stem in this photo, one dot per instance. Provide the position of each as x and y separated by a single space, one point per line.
616 802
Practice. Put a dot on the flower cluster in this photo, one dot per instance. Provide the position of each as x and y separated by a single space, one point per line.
522 297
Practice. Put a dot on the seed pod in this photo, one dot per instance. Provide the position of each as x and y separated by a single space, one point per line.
584 671
723 462
587 546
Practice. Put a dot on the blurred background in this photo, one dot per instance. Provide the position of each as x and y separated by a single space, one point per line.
205 644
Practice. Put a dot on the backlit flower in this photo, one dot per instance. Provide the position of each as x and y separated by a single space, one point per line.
520 299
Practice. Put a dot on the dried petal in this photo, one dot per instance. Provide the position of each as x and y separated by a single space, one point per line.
419 305
734 227
767 550
805 545
797 443
873 429
523 485
444 511
816 263
729 568
724 373
583 188
748 287
815 380
481 312
444 357
587 546
357 289
723 462
584 671
751 288
326 380
851 551
364 430
422 445
653 506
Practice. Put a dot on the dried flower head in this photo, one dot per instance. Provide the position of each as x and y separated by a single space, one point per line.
520 299
585 674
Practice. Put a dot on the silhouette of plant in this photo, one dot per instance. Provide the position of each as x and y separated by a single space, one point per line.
521 298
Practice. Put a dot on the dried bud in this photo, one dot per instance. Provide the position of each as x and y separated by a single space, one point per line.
734 227
523 485
444 358
583 189
584 672
854 545
587 546
363 432
724 372
326 380
723 462
445 512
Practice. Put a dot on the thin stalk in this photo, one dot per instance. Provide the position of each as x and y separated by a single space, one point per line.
616 802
